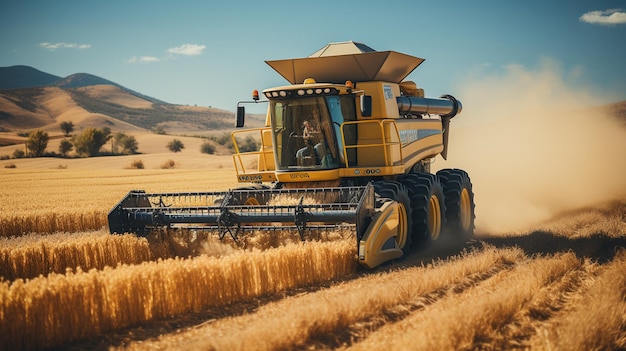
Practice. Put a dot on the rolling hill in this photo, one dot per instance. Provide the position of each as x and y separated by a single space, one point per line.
31 99
20 77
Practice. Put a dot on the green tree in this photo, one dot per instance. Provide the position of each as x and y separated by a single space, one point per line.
37 142
67 127
175 145
125 144
89 142
65 146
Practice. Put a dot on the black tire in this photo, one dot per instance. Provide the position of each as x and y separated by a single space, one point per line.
429 207
460 206
250 198
396 191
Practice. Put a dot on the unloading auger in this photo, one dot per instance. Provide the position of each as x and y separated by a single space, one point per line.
348 144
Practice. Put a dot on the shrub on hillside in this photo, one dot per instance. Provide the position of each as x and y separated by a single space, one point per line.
248 144
136 164
169 164
207 148
19 153
159 130
175 145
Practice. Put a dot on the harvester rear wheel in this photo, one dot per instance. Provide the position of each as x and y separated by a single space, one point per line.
460 205
427 201
396 191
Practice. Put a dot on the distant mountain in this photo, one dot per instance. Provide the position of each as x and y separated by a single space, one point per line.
32 99
20 77
80 80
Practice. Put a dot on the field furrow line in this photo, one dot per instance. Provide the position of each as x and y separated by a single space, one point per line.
547 303
359 330
464 321
314 319
595 318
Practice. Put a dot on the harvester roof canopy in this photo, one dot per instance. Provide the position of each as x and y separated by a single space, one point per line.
339 62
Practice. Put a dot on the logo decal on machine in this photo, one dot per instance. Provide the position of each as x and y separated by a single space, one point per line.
250 178
388 92
410 135
299 175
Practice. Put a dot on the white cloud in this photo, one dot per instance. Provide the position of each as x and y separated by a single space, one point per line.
143 59
607 17
61 45
187 49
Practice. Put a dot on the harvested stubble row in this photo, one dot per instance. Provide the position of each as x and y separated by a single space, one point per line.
483 310
16 225
598 321
83 304
303 318
32 255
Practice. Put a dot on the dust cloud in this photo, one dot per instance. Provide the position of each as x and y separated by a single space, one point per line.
534 145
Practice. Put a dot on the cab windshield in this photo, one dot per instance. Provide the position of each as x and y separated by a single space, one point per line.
305 136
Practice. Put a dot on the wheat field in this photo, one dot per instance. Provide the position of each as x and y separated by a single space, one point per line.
66 283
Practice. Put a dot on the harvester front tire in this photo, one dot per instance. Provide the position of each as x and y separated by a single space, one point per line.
428 205
396 191
460 213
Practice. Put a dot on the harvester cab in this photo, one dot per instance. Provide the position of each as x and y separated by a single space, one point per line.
351 143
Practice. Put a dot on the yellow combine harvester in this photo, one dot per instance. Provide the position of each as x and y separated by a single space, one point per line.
350 143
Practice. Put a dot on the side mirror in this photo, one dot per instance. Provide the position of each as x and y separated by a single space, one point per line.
366 106
241 116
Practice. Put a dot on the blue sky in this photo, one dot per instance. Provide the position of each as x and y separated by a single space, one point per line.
211 53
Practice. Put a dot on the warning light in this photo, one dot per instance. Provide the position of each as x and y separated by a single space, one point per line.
255 95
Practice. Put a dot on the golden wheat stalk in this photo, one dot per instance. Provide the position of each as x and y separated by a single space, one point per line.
33 255
17 225
52 310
